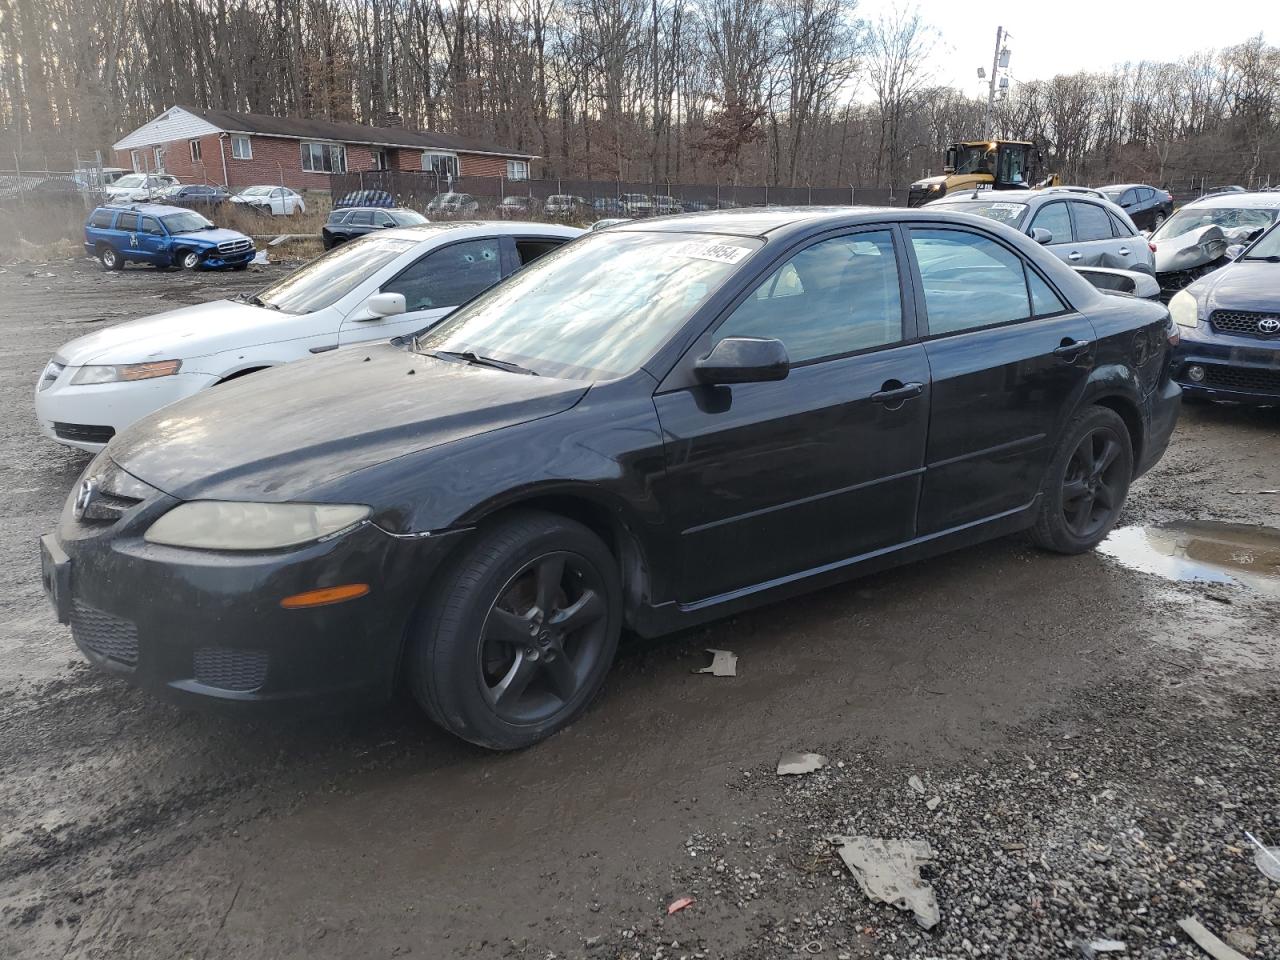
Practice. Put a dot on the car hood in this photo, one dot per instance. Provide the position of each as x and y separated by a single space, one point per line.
1246 285
278 434
1196 247
178 334
212 237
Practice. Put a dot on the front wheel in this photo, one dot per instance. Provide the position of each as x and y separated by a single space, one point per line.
1086 484
188 260
516 637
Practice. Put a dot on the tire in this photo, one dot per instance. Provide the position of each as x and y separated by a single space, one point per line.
1160 219
240 266
484 662
1081 500
187 259
110 258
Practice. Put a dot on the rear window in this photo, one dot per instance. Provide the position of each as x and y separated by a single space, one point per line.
101 218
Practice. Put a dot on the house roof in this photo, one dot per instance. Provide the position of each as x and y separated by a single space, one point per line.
303 129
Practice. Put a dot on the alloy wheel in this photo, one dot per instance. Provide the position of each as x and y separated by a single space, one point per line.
542 637
1093 487
190 261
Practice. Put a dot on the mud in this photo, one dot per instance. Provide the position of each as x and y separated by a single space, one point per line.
1100 736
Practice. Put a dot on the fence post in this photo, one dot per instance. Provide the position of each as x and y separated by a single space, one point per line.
766 194
853 200
811 194
717 194
558 189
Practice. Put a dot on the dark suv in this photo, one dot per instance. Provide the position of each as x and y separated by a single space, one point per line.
348 223
1146 206
164 237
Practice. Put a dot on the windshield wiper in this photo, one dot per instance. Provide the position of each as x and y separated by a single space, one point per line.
1270 258
257 301
470 356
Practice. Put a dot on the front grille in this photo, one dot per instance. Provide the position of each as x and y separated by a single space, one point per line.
228 669
1242 378
1245 323
106 635
229 247
83 432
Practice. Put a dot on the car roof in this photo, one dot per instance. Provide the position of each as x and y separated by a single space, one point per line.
1125 186
1254 200
155 209
1016 196
374 209
466 228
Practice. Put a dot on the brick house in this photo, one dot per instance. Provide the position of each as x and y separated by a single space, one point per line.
243 149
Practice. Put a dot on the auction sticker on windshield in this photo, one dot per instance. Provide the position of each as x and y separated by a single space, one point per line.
711 250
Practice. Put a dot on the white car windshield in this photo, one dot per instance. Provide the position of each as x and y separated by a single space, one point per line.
1191 218
131 180
595 309
255 191
1000 210
328 278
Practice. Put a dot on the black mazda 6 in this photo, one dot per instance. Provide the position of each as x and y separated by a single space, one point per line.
659 424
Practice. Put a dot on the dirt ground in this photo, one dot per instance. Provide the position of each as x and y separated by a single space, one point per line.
1098 739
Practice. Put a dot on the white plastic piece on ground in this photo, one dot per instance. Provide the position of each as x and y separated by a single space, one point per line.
1267 858
888 871
1207 942
723 664
1108 946
791 764
916 784
260 257
933 802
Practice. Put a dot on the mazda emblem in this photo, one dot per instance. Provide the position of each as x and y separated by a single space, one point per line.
85 493
1269 326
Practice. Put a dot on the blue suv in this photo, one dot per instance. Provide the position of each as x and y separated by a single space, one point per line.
164 237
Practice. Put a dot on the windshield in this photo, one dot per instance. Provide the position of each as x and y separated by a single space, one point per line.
328 278
595 309
972 159
255 191
187 222
999 210
131 180
1189 218
1267 246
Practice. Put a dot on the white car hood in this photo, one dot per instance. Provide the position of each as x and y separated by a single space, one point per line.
180 334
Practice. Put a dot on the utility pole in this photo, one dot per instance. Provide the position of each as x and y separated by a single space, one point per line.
991 89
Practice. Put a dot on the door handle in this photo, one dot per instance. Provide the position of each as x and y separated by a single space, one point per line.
1073 255
1124 251
1070 349
896 392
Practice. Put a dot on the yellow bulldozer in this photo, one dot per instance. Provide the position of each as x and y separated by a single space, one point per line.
985 165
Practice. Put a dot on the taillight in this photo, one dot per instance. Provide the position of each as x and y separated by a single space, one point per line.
1152 246
1172 332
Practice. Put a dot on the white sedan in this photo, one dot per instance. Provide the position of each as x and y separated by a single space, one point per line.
377 287
277 201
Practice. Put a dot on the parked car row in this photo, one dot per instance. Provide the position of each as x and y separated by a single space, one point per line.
439 458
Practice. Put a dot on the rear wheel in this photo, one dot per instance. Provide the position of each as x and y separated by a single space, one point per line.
1087 482
110 258
516 637
1160 218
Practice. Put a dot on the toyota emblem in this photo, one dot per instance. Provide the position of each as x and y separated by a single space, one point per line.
85 493
1269 326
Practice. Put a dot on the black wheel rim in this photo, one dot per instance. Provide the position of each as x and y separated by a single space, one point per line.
543 638
1092 488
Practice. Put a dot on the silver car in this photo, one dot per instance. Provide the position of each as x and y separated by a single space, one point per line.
1083 230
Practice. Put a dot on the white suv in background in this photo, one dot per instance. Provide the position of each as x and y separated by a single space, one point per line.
389 283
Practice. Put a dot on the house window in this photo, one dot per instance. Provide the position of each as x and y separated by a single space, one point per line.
380 161
241 148
324 158
195 150
159 152
135 160
517 169
441 164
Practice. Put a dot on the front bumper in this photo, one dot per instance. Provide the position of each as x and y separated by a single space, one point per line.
1235 369
200 627
87 416
217 261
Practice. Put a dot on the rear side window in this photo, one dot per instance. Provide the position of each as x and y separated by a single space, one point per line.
101 219
127 221
1145 194
530 250
1044 302
833 298
1118 227
1091 223
449 276
361 218
1054 218
969 281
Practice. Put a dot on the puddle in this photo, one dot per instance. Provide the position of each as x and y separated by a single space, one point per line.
1201 551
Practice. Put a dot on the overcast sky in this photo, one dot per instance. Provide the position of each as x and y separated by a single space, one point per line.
1051 38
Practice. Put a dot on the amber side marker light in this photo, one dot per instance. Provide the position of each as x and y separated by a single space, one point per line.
325 596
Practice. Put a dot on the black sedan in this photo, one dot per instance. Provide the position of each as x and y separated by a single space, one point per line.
197 196
1146 206
351 222
1230 323
657 425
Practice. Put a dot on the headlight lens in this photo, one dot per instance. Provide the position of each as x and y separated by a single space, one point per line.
227 525
115 373
1184 309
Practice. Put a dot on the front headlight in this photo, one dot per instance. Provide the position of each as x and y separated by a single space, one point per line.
229 525
115 373
1184 309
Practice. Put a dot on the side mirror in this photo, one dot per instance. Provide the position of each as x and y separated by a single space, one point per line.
1234 251
744 360
385 305
1041 235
